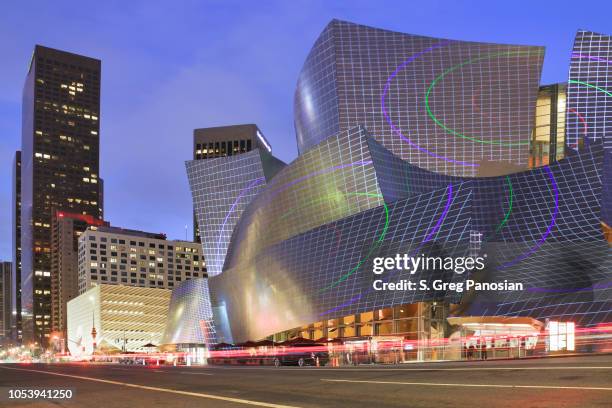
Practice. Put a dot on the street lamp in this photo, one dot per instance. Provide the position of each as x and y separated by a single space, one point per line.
93 325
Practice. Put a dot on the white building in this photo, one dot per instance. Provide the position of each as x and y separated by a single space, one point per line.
116 256
125 318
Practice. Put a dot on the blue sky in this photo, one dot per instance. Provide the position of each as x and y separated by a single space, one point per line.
171 66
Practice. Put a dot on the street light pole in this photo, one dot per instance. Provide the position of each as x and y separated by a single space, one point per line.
93 331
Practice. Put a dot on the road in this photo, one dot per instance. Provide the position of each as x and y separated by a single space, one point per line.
554 382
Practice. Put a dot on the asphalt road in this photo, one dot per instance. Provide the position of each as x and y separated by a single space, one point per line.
558 382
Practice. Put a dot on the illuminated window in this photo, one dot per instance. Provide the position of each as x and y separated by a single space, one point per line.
561 336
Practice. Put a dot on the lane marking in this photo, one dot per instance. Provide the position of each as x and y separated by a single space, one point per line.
428 384
191 373
366 370
167 390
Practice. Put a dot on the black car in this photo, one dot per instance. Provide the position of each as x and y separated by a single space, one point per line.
302 356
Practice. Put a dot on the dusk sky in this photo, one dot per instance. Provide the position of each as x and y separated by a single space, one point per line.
170 67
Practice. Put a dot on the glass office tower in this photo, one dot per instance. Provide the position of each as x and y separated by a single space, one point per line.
60 167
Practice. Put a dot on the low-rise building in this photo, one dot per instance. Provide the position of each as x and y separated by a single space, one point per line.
123 318
117 256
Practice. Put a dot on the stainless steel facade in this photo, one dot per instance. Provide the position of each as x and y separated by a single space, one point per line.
190 318
302 249
448 106
221 189
331 181
589 102
326 272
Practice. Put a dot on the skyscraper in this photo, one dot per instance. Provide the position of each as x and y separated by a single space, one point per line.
222 141
16 278
60 167
5 300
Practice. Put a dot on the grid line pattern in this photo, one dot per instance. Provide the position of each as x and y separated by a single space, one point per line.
489 95
589 103
221 189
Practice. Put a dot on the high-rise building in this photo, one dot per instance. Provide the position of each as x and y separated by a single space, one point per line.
5 300
65 231
60 167
117 256
125 318
16 280
222 141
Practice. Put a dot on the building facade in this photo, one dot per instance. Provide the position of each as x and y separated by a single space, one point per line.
117 256
221 189
324 272
6 294
299 259
223 141
16 279
190 324
125 318
66 228
548 137
60 167
448 106
589 103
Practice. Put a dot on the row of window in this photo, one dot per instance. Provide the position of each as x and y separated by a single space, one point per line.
142 244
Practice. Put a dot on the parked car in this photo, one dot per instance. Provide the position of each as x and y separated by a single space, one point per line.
299 355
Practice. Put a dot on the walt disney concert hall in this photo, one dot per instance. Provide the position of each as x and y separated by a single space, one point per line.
414 145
